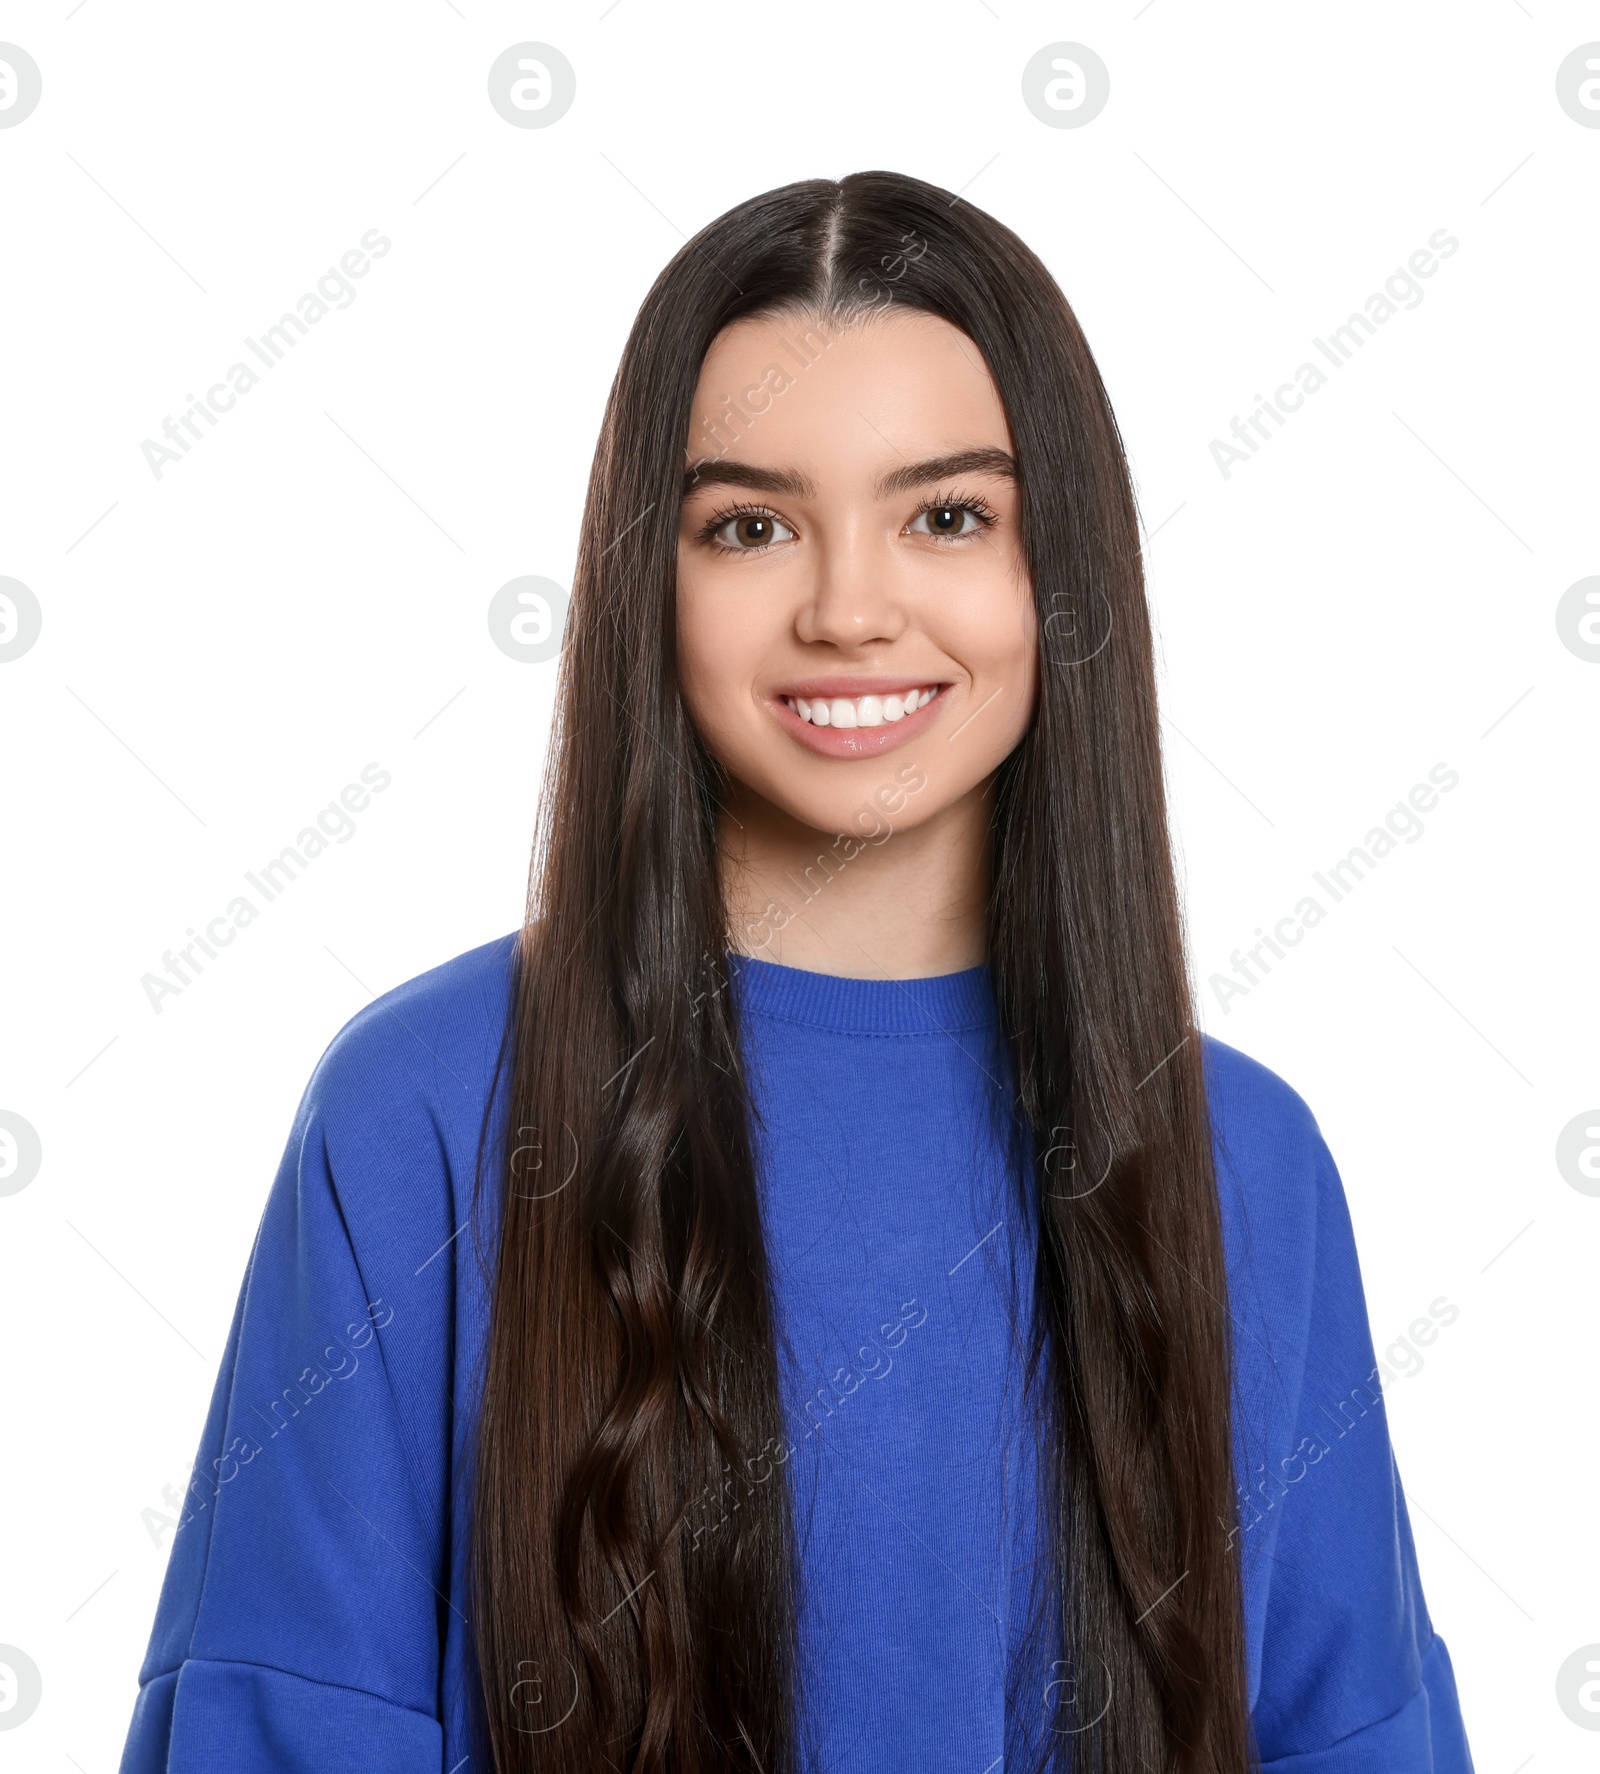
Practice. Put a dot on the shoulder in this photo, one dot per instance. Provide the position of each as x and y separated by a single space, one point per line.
1256 1116
400 1094
440 1030
1281 1198
1273 1164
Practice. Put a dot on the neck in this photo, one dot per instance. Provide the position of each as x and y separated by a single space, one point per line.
907 903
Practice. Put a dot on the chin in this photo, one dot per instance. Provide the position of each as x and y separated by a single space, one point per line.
869 799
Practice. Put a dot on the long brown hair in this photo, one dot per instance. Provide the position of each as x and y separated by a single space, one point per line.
630 1366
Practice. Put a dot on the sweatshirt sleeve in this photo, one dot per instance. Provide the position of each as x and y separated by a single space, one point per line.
1353 1676
300 1621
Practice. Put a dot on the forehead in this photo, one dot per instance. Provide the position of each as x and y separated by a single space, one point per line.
830 397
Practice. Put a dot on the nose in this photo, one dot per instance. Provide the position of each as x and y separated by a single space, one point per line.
856 596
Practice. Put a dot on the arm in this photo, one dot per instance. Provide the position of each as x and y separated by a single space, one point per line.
299 1625
1353 1676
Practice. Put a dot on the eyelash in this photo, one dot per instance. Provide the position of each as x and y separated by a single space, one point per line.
708 530
980 509
953 501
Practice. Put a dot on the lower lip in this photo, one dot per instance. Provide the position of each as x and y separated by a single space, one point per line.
856 742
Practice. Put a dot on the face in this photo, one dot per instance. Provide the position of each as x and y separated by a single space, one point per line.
856 629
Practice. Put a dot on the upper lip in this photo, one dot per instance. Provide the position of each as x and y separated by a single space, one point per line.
851 688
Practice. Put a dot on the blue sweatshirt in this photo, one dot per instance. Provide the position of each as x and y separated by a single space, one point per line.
313 1615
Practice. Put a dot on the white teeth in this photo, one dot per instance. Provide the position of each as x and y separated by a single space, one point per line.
863 711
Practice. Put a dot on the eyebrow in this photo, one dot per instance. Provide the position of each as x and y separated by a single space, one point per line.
984 460
718 471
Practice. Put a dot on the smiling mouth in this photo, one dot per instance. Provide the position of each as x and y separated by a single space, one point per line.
860 711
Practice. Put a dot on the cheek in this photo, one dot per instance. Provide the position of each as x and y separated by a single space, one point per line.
996 636
698 660
719 648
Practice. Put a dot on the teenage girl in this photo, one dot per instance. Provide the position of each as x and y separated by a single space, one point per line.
811 1298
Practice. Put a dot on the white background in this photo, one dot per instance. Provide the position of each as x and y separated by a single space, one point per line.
224 648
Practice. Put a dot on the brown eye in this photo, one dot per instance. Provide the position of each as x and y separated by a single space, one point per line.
752 530
948 520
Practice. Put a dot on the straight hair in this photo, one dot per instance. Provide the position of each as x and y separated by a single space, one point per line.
631 1378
